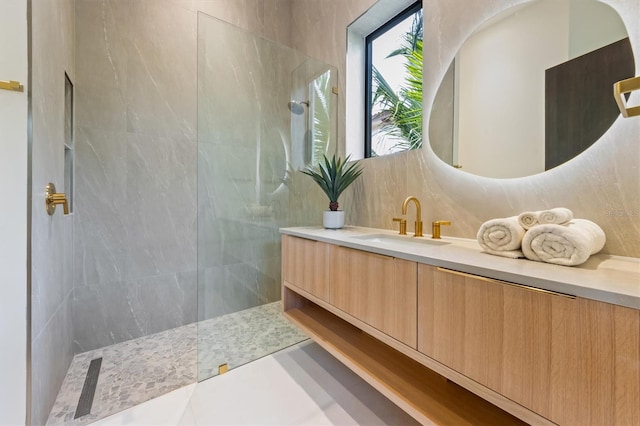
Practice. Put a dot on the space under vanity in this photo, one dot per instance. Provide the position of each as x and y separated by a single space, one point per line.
421 319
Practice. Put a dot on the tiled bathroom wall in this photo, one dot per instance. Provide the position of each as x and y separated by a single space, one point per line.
602 184
136 208
52 42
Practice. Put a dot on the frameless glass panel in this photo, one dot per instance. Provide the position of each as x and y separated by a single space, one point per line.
320 115
255 105
313 112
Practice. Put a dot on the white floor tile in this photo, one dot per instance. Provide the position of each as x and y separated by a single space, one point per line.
260 393
301 385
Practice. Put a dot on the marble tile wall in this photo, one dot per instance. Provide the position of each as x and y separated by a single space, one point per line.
136 209
602 184
51 252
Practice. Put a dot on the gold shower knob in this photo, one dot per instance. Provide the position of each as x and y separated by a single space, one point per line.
53 199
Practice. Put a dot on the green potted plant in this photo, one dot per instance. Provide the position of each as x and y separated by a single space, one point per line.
334 176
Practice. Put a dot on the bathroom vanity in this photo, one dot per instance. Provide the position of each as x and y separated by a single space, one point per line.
420 319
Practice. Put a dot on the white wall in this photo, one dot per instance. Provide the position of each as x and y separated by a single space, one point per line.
13 220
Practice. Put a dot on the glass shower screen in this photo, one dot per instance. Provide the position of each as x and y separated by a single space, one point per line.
251 96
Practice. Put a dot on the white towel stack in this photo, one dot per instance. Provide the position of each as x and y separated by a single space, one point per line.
551 236
502 237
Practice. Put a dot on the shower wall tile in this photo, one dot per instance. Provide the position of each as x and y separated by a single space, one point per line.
246 14
224 175
99 106
123 310
270 284
161 69
103 43
50 353
269 18
48 289
232 288
53 54
161 205
101 185
277 20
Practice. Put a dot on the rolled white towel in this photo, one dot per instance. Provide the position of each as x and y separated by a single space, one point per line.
567 245
502 237
528 219
558 215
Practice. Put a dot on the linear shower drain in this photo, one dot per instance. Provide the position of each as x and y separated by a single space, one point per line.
88 389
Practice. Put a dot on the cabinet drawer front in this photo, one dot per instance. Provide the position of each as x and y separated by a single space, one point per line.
305 264
553 354
376 289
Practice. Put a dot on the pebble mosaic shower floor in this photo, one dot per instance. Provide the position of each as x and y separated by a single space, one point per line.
137 370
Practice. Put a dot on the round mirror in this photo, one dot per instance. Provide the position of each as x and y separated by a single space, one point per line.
531 88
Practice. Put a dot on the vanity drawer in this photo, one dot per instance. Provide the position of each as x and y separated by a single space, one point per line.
305 264
572 360
378 290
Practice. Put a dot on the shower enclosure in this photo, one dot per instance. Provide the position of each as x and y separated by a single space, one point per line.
176 250
264 111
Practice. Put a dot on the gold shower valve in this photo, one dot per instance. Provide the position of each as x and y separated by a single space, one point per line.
53 199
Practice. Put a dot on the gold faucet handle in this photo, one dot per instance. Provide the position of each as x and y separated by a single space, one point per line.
403 225
435 228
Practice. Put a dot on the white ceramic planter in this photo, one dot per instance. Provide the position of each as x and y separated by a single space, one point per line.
333 219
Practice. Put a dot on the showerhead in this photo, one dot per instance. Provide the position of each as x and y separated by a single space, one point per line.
298 107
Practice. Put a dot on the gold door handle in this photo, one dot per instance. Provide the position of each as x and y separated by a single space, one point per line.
53 199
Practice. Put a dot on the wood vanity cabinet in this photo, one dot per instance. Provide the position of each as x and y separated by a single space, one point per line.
571 360
379 290
305 264
542 356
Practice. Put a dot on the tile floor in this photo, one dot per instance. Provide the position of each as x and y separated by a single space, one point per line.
138 370
300 385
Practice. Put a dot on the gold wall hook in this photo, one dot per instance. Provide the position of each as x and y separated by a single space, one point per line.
12 85
53 199
626 86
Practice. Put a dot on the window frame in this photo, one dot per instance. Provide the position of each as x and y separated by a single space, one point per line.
368 65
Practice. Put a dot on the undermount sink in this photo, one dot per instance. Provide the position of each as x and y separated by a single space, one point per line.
400 239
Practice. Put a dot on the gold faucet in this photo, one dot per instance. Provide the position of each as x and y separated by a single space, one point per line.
435 228
418 232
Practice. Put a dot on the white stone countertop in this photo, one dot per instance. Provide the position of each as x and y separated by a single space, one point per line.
606 278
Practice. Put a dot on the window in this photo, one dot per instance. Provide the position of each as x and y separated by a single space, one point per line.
393 84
